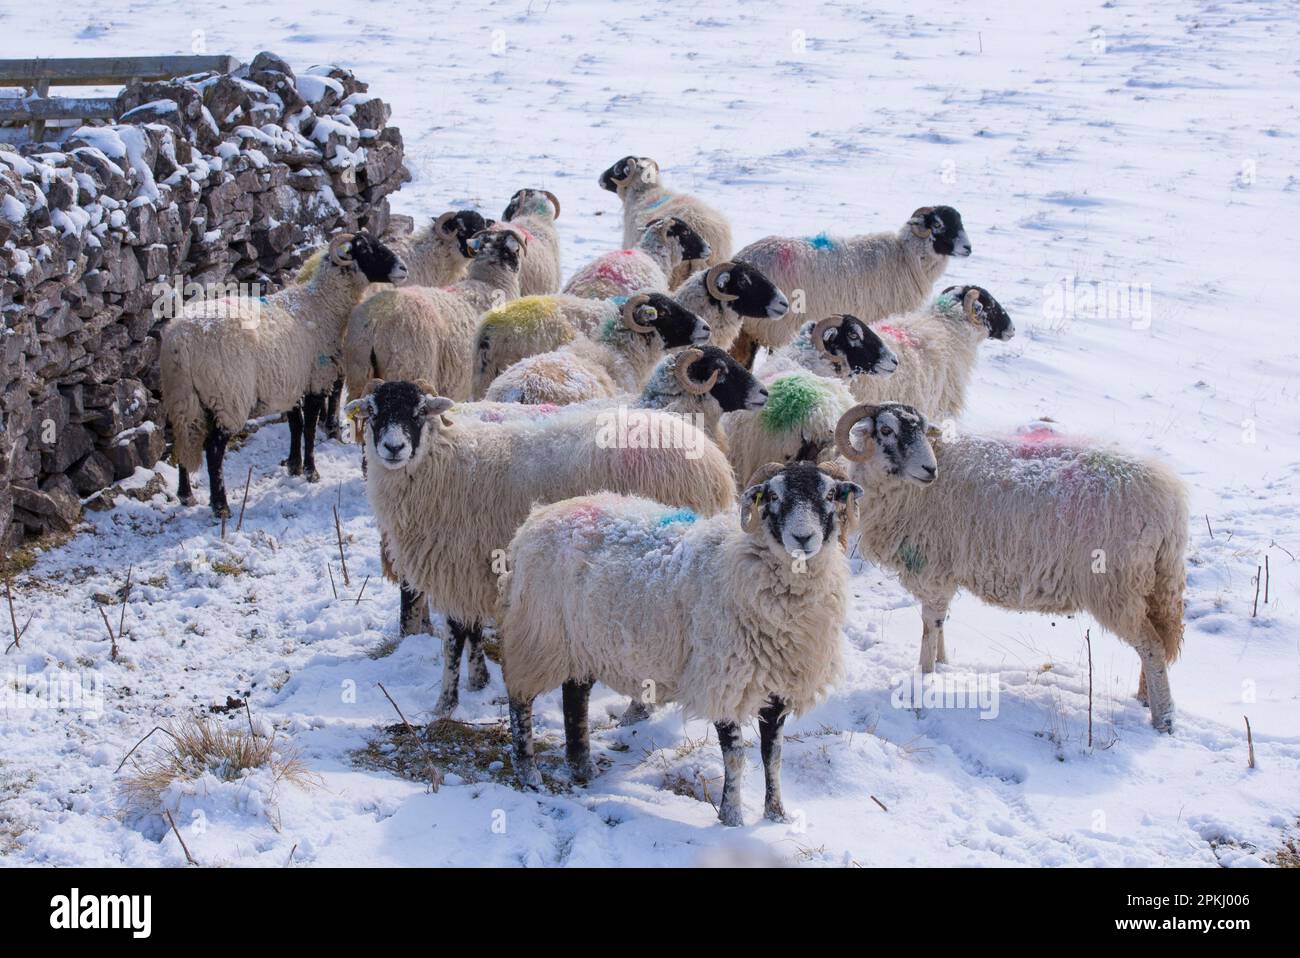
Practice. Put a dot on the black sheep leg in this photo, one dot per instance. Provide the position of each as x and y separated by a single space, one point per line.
311 409
733 769
521 735
332 411
294 462
415 612
478 670
771 718
183 491
577 734
452 646
215 448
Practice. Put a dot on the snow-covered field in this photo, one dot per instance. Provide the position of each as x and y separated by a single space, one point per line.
1135 143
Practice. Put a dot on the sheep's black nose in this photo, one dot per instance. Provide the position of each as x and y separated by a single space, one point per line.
802 540
394 447
930 470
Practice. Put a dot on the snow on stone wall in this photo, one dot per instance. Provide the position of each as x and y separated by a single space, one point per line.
208 179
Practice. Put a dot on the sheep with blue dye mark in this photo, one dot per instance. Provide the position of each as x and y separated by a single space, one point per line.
870 276
636 181
421 332
1035 522
533 214
733 617
645 268
723 296
619 361
809 384
224 360
449 484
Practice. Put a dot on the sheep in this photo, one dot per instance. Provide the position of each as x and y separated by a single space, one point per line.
635 180
871 276
420 332
808 382
621 361
450 483
533 213
732 617
722 295
704 384
646 267
224 360
435 256
1035 522
937 348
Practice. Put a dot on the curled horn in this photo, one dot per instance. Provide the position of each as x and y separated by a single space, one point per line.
554 201
844 429
523 240
968 304
819 331
711 282
427 389
629 314
917 222
834 470
682 370
337 255
751 516
440 224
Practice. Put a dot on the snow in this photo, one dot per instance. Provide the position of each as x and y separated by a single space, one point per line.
1137 149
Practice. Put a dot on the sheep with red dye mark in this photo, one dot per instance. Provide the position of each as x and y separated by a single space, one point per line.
735 616
645 268
870 276
635 180
1035 523
449 484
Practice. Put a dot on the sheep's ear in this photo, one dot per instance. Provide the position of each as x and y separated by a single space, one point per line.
430 406
362 408
849 492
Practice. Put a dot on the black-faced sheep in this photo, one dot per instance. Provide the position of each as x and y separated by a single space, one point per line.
533 213
646 267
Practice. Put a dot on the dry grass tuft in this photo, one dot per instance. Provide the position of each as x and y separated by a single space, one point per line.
187 749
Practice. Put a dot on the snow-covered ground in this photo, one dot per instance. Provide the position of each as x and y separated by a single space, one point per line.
1128 142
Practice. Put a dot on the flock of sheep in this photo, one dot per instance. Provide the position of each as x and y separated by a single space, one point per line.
711 570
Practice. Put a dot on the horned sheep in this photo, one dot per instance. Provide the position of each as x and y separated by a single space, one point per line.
870 276
645 267
636 181
735 617
620 361
449 484
1034 522
225 360
423 332
533 213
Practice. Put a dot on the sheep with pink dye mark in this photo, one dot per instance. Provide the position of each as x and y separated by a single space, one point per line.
645 268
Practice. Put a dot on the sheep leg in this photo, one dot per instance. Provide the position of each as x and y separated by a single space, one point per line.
636 711
577 734
332 411
733 769
215 450
294 462
771 718
311 408
521 735
183 491
479 677
415 613
1142 688
1156 673
933 612
452 646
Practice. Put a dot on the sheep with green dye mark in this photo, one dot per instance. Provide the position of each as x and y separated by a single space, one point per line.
1034 522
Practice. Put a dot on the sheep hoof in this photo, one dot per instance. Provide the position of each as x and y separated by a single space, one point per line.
295 468
188 500
583 772
479 677
1164 723
776 813
312 475
730 816
530 780
221 512
446 705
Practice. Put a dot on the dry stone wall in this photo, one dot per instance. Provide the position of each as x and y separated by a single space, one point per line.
205 181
